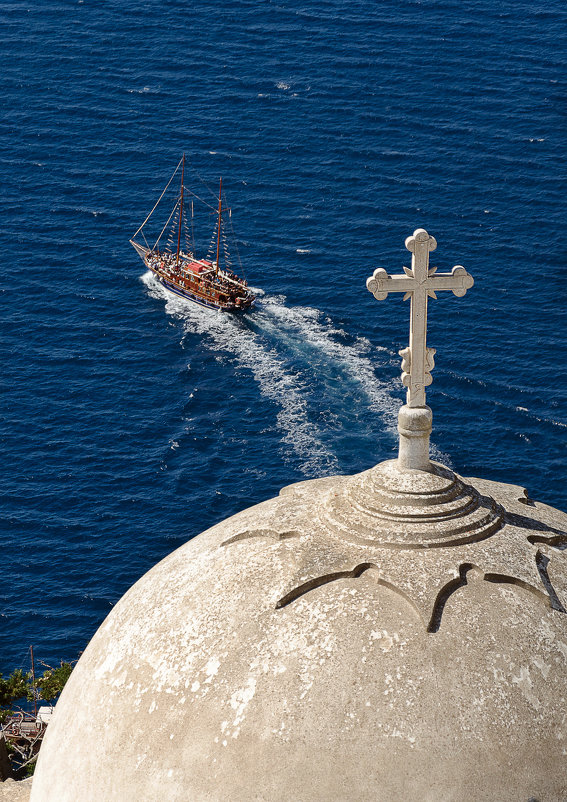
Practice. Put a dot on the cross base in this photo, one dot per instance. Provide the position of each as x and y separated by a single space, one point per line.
414 426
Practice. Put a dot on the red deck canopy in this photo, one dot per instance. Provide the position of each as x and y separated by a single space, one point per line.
198 267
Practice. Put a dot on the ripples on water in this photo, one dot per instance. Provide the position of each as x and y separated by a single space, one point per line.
131 421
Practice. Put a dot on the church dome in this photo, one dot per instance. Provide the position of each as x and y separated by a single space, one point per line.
283 655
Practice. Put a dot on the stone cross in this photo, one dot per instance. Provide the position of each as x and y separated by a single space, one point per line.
419 283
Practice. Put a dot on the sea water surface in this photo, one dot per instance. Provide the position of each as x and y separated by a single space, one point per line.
132 420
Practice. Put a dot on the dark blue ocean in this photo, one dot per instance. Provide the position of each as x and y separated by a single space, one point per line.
132 421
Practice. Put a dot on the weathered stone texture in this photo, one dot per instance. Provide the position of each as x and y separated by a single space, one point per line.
321 647
12 791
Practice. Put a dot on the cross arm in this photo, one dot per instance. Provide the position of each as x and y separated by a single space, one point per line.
458 280
381 283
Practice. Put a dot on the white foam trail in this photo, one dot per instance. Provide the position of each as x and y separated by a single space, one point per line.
305 322
224 334
294 328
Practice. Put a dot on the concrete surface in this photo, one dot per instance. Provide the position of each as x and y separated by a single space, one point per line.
396 635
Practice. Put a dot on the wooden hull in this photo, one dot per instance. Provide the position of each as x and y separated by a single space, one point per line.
202 301
201 295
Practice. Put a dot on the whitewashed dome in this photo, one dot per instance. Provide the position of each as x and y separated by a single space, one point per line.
396 635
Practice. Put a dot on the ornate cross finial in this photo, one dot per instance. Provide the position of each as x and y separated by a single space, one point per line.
419 283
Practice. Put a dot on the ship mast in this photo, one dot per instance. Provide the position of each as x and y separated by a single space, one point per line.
180 213
219 227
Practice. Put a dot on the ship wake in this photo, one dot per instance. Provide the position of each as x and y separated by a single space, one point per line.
332 398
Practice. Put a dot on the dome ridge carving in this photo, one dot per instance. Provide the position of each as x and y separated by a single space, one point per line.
336 539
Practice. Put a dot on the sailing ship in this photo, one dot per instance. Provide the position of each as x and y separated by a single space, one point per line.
203 281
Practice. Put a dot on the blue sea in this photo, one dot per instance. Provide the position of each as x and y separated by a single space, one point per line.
131 420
